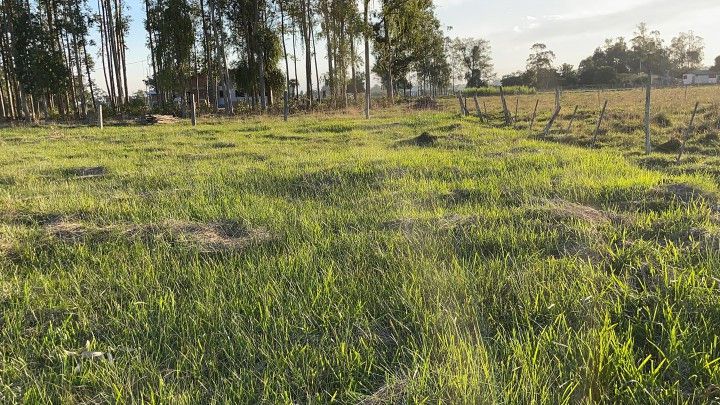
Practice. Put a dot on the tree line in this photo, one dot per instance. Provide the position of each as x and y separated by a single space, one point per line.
210 49
254 46
618 62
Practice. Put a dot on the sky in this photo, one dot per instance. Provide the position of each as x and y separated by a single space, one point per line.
570 28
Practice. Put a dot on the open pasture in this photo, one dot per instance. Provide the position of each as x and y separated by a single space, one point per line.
336 259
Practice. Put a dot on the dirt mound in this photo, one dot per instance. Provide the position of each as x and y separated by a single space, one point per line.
684 193
662 120
673 145
151 119
425 139
710 138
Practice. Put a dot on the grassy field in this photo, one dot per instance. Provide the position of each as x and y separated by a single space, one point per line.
337 259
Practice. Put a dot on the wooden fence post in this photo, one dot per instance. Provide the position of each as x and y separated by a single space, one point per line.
193 111
648 146
485 108
506 112
517 106
477 107
467 110
550 123
286 110
600 120
572 119
462 108
557 98
688 132
100 116
534 115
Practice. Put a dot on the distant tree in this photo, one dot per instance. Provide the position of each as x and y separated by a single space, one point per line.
568 75
517 79
687 52
474 54
650 54
540 66
716 68
614 58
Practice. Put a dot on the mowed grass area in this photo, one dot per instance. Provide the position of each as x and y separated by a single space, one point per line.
337 259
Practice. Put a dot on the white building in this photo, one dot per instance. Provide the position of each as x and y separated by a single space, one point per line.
700 77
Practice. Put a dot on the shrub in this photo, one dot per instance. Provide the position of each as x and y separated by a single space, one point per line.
495 91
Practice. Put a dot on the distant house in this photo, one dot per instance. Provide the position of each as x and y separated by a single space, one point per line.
700 77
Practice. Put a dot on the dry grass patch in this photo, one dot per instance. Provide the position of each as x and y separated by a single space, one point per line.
217 236
207 237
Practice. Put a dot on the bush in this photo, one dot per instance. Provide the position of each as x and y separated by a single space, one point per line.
495 91
662 120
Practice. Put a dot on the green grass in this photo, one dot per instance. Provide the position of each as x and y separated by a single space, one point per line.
331 259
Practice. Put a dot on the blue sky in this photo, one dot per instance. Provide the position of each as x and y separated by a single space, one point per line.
572 29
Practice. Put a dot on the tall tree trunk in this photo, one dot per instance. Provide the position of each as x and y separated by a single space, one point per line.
220 32
390 84
297 83
353 72
285 54
206 51
306 17
367 60
78 67
149 23
260 19
317 71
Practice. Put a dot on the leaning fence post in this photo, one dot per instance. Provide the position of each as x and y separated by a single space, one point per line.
534 115
600 120
550 123
193 111
572 119
506 112
688 132
462 108
648 146
477 107
100 116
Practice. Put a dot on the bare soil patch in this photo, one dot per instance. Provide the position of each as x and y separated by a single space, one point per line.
85 172
207 237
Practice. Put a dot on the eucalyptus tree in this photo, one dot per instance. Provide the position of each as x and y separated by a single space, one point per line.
400 38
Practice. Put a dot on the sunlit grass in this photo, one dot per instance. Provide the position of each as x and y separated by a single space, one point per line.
329 259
